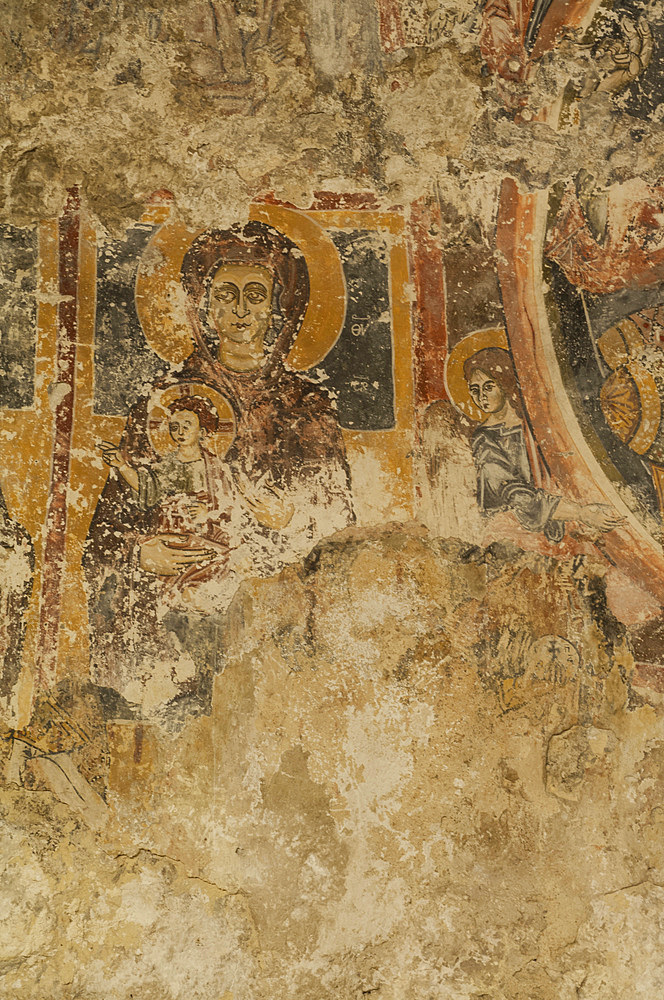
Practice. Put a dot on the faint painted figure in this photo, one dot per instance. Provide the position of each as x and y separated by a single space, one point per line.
505 458
509 28
545 672
618 61
516 34
285 472
609 239
223 39
61 748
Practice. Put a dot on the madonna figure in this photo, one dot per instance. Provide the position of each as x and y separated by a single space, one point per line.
285 473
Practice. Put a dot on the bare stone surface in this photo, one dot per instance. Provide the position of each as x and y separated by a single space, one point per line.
426 773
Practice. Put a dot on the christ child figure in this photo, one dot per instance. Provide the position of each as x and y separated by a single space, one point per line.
189 490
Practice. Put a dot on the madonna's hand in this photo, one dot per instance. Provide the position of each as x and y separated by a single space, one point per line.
165 556
274 511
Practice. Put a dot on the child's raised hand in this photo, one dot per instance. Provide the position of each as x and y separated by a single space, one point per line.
111 454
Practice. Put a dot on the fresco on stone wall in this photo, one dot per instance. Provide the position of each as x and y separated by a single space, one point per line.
215 405
581 299
202 408
548 432
331 499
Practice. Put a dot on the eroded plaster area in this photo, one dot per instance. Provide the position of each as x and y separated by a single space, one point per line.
331 499
427 772
223 101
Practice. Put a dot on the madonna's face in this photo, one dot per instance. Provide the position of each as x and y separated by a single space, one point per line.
485 392
240 311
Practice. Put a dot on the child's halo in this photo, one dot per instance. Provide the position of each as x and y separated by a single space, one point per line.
159 416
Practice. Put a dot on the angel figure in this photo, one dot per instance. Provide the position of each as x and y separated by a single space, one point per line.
504 457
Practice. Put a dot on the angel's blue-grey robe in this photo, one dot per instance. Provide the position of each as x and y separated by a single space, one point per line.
505 480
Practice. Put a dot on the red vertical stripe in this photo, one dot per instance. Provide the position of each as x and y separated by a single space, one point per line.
392 36
429 310
62 390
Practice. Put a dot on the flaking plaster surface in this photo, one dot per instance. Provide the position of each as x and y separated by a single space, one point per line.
430 766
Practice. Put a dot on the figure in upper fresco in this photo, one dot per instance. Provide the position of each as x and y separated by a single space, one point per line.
509 474
515 34
509 29
223 38
285 475
16 569
607 240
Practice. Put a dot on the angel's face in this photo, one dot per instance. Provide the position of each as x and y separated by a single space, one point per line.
485 392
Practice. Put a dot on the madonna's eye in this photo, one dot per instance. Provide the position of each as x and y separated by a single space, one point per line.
255 293
225 294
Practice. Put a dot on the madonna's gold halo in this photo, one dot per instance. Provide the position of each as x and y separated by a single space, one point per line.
159 417
457 387
161 300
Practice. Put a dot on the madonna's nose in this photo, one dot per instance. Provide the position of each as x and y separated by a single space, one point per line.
241 309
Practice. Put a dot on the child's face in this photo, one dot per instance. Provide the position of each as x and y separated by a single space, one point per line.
184 428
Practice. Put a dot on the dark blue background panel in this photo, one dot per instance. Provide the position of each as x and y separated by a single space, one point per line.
18 316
